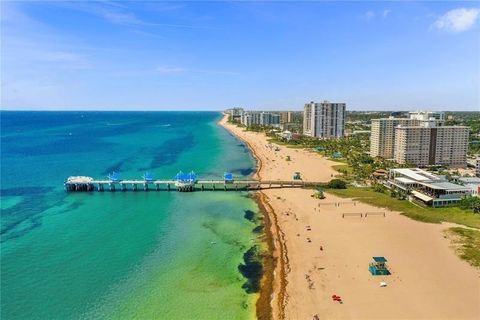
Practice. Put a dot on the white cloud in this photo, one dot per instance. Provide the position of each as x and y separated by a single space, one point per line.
120 14
457 20
176 70
385 13
121 18
369 15
170 70
214 71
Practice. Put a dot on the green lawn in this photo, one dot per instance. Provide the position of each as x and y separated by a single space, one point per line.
467 243
343 167
431 215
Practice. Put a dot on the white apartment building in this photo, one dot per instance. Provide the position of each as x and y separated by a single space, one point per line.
324 119
426 145
250 118
269 119
450 145
421 139
382 136
260 118
412 145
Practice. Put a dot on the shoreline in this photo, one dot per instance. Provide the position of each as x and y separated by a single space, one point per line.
274 262
318 253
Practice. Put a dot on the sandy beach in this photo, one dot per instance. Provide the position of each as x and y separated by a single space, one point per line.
319 253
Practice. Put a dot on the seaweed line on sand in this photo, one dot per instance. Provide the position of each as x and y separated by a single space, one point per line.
273 233
281 261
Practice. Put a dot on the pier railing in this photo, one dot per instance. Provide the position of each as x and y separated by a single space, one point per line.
90 184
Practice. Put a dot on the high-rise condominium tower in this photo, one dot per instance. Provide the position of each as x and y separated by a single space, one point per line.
324 120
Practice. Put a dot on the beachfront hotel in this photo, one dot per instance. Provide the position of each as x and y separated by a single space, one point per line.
324 119
421 140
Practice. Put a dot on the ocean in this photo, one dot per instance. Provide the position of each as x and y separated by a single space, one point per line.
122 255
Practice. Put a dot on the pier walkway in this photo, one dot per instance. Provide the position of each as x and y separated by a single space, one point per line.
81 183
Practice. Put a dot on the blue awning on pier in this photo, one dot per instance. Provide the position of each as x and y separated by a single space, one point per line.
227 176
114 176
191 177
148 176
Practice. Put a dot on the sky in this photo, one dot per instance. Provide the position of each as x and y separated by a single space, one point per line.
135 55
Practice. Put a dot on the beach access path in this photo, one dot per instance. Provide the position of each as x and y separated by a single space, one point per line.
323 247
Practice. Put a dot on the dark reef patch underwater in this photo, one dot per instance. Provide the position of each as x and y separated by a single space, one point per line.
252 269
171 149
249 215
244 172
258 229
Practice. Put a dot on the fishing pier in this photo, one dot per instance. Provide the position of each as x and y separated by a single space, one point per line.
182 182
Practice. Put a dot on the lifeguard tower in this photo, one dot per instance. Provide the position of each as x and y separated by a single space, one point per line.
378 267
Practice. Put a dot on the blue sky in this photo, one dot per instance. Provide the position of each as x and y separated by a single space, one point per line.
118 55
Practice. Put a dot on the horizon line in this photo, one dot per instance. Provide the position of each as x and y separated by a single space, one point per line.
207 110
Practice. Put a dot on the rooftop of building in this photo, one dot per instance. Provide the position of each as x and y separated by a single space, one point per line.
469 180
417 174
447 186
419 116
429 127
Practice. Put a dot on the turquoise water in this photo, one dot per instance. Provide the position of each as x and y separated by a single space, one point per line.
112 255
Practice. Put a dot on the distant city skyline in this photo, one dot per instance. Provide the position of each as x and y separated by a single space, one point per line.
118 55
